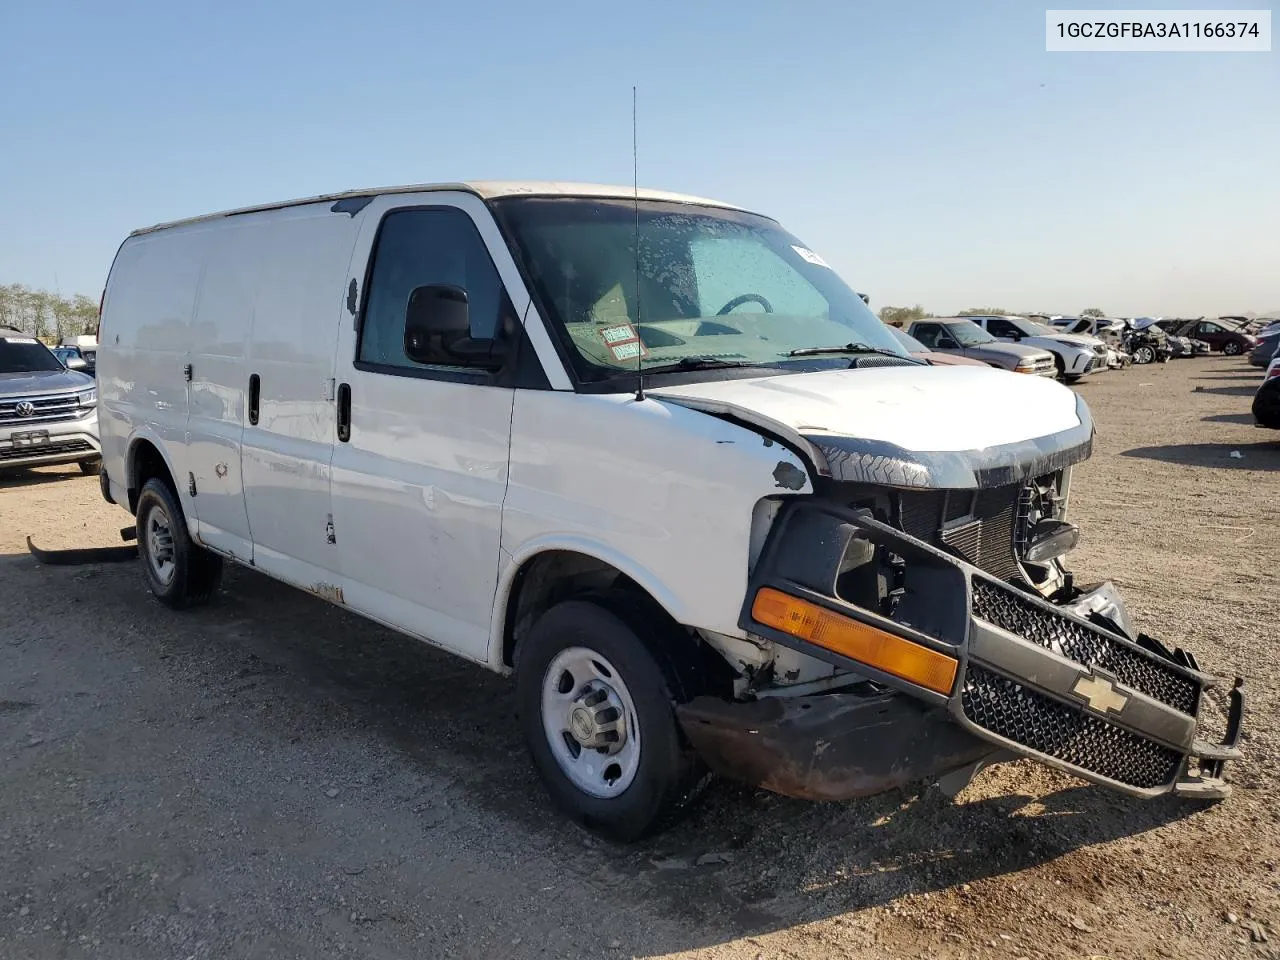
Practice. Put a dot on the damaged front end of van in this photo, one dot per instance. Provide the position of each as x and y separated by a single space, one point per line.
934 586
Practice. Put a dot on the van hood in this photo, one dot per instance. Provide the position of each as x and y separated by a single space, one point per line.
42 381
955 427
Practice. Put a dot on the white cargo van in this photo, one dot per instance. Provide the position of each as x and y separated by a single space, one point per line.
650 454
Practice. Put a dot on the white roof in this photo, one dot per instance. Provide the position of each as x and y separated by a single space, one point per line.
485 189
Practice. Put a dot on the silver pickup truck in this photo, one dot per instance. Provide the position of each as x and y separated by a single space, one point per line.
48 414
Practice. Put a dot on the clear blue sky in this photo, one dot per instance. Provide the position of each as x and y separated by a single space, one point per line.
933 152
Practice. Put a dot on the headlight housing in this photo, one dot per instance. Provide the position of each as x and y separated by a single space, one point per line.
88 398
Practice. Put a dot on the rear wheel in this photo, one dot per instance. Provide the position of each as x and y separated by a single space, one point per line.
596 708
179 573
1232 349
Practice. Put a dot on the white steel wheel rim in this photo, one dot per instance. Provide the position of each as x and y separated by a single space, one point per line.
159 534
589 720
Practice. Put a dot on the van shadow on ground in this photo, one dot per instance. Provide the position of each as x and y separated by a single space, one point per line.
776 862
1264 455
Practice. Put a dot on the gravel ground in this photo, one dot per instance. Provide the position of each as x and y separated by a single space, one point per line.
271 777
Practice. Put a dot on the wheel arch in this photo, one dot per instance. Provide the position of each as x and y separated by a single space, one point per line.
145 458
547 572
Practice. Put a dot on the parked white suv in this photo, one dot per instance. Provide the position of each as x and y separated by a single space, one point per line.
651 455
1076 355
48 414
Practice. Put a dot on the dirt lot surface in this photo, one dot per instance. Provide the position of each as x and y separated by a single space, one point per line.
272 777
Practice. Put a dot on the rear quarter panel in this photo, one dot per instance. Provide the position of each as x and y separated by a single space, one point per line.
145 342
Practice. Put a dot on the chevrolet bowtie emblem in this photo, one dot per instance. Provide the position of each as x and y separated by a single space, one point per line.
1099 694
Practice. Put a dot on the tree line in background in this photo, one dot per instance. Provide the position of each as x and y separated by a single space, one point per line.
47 315
903 316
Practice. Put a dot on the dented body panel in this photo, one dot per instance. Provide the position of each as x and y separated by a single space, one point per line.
661 492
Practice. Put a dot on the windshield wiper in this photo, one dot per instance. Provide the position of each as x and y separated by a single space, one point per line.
699 363
846 348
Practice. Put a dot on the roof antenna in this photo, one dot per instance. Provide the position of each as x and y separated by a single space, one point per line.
635 200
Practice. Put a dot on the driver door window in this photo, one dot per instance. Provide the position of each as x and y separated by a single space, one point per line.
946 341
928 334
416 248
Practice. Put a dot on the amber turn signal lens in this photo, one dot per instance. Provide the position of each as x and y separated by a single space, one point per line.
855 640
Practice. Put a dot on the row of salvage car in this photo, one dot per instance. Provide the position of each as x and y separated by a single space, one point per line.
1072 348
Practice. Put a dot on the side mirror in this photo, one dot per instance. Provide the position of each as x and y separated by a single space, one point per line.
437 330
76 363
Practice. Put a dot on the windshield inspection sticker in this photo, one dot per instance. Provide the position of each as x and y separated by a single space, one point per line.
623 342
807 254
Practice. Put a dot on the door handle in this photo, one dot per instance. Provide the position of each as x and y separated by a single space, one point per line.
255 391
344 412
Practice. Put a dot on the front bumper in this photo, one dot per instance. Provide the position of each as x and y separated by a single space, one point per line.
1071 686
1081 363
830 746
68 441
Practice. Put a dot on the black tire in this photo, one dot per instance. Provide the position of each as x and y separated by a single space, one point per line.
1266 404
195 573
638 642
91 466
1232 349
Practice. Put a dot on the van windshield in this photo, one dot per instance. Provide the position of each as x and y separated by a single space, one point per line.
26 355
716 287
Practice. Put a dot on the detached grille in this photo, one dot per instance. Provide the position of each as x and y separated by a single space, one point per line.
46 409
44 449
1004 608
1044 725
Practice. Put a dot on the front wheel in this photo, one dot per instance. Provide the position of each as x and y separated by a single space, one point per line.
90 466
179 573
1144 354
596 707
1232 349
